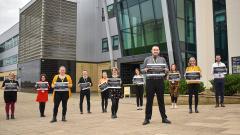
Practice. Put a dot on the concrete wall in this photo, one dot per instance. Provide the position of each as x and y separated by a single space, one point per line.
91 30
205 38
233 22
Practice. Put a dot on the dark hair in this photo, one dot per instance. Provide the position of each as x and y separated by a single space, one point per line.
104 72
175 67
218 55
42 76
137 70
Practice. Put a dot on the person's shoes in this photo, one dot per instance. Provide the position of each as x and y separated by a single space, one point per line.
217 105
175 105
146 121
112 116
89 112
115 116
172 106
54 119
64 118
42 115
196 110
190 110
138 108
105 110
81 112
7 117
12 116
222 105
166 121
141 108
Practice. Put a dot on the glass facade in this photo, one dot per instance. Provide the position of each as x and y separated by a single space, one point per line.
9 61
9 44
141 26
220 29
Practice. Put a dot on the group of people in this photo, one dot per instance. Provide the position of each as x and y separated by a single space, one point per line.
62 84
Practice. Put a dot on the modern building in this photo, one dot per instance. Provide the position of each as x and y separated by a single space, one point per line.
9 41
94 35
47 39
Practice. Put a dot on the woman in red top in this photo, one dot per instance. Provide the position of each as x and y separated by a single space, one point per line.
42 94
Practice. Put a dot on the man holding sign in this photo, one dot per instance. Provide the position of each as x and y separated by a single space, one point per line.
155 68
85 83
219 70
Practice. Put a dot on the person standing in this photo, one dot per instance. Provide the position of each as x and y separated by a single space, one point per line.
193 86
219 81
105 93
84 91
115 93
155 85
62 84
139 89
10 87
174 86
42 95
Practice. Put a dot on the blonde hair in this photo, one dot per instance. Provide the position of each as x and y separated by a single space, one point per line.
115 68
192 59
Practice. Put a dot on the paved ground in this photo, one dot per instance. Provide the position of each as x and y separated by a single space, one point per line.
210 121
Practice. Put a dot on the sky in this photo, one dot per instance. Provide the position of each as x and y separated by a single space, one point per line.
9 13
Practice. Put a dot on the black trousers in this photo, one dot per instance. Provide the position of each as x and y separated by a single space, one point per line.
84 93
139 95
174 99
115 102
104 96
42 107
219 90
155 86
193 90
60 96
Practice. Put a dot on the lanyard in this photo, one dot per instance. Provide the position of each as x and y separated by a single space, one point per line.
154 61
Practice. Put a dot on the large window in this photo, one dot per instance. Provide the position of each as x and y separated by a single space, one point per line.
220 29
115 43
141 26
12 42
9 61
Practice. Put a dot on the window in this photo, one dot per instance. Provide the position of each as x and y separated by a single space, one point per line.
103 17
115 43
9 61
12 42
104 45
110 11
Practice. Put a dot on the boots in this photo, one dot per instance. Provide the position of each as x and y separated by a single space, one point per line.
64 118
54 119
190 109
12 116
196 109
7 117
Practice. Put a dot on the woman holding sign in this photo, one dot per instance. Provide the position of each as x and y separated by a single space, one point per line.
138 80
42 87
10 87
62 84
174 78
193 75
114 85
104 91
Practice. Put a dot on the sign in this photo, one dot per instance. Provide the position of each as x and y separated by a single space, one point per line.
41 85
114 83
236 65
220 70
156 70
173 76
193 76
85 86
61 86
138 80
103 87
10 87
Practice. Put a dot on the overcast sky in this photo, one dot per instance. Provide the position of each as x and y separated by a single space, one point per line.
9 13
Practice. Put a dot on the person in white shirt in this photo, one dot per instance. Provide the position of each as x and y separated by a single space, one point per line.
219 70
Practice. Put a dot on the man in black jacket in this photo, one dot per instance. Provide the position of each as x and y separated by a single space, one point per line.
84 83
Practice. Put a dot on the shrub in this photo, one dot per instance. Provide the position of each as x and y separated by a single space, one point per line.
183 89
232 84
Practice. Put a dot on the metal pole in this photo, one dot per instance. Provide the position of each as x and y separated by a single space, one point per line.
108 34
